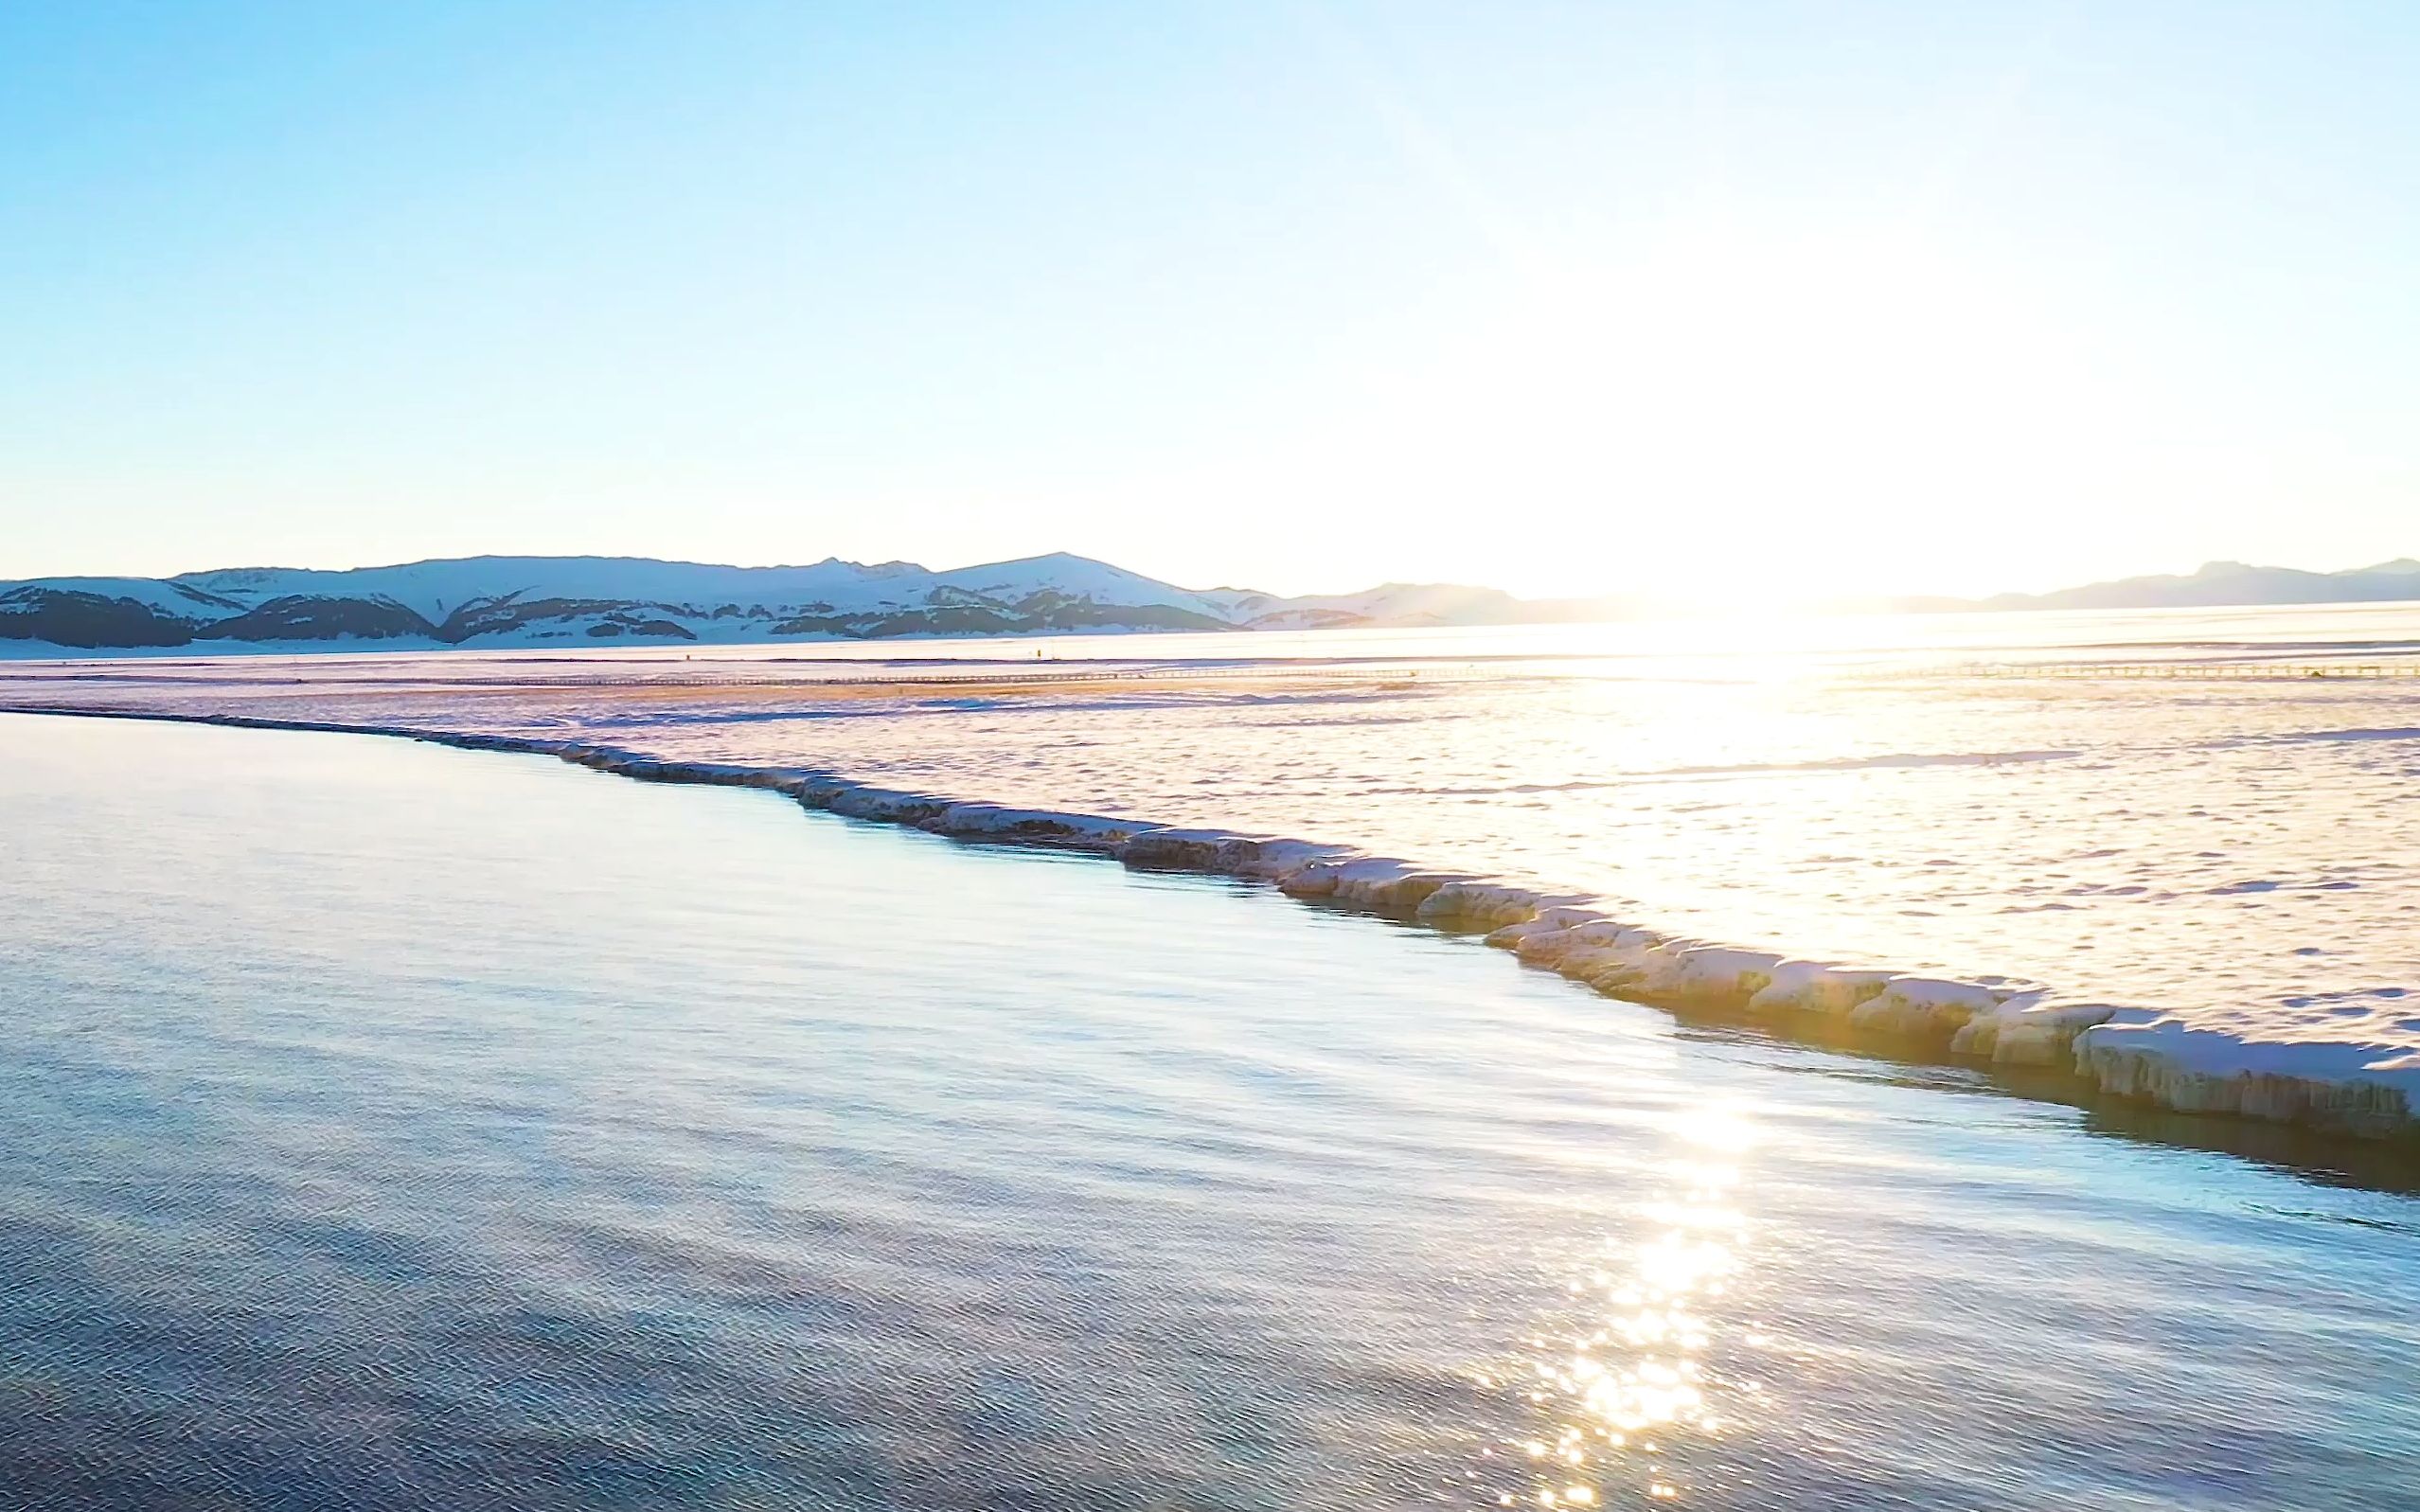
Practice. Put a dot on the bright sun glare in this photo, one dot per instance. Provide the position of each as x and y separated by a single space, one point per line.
1764 421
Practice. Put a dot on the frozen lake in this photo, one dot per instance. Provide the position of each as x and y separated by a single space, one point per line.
389 1127
1920 793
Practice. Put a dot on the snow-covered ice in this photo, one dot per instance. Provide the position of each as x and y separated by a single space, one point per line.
2200 891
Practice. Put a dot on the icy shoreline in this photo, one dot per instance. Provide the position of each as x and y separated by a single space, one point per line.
2130 1054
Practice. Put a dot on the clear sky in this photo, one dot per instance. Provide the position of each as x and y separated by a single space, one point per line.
1745 299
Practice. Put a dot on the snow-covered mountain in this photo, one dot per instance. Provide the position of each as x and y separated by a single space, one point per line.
538 601
588 600
2222 584
1387 604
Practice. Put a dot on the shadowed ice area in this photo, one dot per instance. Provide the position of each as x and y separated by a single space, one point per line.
386 1126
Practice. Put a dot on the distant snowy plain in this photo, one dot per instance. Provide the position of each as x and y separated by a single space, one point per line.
2240 854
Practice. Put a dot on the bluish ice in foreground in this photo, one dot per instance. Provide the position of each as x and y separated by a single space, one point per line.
383 1126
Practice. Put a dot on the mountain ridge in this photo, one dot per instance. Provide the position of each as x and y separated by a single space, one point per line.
2223 584
526 602
529 601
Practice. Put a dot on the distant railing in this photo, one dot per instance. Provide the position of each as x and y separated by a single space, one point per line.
1404 674
1010 673
2200 671
1006 672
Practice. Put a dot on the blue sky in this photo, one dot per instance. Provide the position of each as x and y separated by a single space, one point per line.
1759 300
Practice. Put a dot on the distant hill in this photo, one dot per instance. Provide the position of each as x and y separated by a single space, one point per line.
535 601
2219 583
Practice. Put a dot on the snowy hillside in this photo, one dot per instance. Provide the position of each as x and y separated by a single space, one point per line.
1408 604
583 601
540 601
2219 583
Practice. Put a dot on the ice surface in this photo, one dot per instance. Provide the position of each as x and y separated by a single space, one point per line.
2354 1088
1895 845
